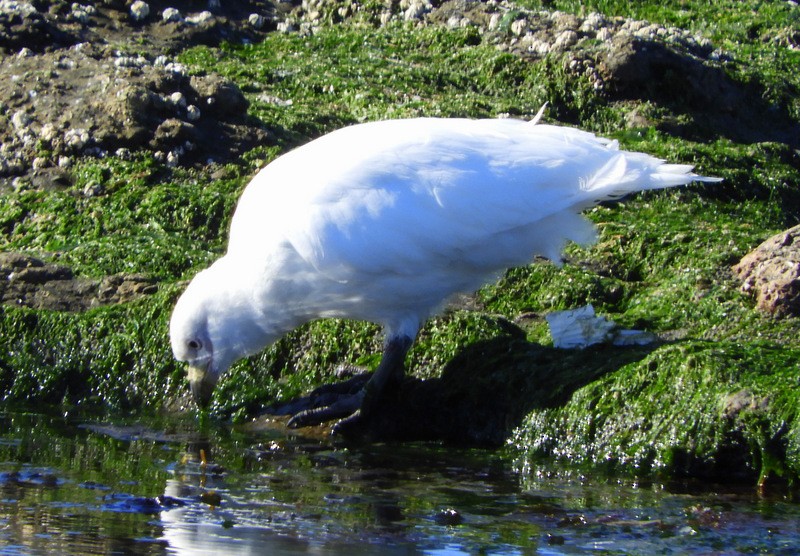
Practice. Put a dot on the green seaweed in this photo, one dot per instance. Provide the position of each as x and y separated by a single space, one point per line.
688 408
661 263
111 357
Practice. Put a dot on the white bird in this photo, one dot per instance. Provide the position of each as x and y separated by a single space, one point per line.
384 221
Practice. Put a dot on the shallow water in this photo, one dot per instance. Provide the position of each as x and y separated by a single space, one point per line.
71 485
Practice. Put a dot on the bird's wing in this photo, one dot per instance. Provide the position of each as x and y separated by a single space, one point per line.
400 196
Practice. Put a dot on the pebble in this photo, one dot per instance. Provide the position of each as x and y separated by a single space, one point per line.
82 13
202 17
416 10
286 27
93 189
564 40
192 113
20 120
538 47
130 62
140 10
177 99
171 15
23 9
76 138
519 26
604 35
173 159
593 23
449 517
257 21
48 132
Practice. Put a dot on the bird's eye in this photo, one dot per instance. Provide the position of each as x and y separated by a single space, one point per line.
194 344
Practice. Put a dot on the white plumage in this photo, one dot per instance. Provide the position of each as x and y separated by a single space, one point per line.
384 221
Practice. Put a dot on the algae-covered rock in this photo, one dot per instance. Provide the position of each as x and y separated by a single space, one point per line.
708 409
720 401
110 358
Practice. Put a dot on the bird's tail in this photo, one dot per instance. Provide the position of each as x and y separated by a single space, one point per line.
628 172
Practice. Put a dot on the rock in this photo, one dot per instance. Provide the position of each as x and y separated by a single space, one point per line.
66 91
105 102
140 10
23 26
256 20
771 273
26 281
643 64
173 132
743 401
171 15
219 96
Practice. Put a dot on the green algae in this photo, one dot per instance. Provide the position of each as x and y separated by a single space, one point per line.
113 358
661 262
145 218
687 408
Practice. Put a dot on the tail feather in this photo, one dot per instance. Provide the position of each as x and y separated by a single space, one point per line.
628 172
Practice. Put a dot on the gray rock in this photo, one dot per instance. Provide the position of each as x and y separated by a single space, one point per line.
26 281
771 273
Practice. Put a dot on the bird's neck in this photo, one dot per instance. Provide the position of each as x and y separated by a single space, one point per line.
271 299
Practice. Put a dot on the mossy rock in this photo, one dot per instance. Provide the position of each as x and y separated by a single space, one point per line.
720 404
111 358
704 409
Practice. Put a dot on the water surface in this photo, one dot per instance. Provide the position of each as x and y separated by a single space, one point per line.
82 485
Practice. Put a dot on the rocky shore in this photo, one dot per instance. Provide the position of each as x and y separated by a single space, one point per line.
97 99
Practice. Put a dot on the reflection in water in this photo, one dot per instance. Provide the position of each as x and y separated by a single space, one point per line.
142 488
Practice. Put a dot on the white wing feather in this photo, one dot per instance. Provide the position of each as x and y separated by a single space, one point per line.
403 196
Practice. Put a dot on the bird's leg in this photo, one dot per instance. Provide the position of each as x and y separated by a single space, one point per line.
389 373
361 403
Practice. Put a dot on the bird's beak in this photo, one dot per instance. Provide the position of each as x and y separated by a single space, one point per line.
202 384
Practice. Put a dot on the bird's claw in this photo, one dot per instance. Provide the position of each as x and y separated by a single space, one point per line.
344 406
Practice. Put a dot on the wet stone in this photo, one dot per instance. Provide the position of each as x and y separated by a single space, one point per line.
26 281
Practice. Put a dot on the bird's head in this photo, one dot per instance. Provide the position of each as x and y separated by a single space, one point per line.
191 329
212 326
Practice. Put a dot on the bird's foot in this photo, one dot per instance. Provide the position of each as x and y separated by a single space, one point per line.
357 415
356 401
328 402
344 406
354 426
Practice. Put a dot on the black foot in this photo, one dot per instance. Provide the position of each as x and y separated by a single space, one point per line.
356 401
354 426
342 407
326 403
